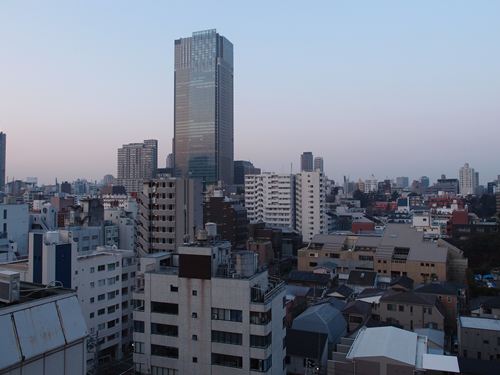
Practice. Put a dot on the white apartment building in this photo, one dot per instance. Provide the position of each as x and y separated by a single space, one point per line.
14 225
310 202
468 180
207 311
104 280
269 198
125 222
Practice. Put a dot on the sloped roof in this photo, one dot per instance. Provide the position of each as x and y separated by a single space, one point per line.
388 342
344 291
404 281
303 276
358 307
362 278
323 318
480 323
409 297
305 344
443 288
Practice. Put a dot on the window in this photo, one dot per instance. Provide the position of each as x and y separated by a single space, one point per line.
92 284
101 312
391 307
111 309
174 288
138 347
261 365
111 295
138 326
165 308
102 267
227 360
101 297
91 315
194 315
260 318
227 314
164 351
195 359
227 337
163 371
195 292
313 264
111 267
260 341
194 337
101 326
92 299
164 329
101 282
401 308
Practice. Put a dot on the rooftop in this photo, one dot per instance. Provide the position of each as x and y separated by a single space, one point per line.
480 323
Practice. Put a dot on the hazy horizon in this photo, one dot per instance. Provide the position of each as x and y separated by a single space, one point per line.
385 88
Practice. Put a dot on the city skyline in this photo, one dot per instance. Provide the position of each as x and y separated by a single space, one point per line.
88 86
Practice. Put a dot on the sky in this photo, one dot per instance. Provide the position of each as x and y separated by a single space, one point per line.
390 88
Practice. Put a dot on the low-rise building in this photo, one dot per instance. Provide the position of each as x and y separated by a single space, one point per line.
479 338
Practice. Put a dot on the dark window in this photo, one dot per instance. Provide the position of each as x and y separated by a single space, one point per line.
138 326
261 365
260 341
260 318
227 337
164 351
164 329
174 288
226 360
227 314
165 308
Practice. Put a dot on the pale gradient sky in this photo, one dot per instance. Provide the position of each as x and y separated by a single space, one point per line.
384 87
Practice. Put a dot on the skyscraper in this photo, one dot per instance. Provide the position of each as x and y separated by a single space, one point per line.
137 162
3 145
203 113
306 162
318 164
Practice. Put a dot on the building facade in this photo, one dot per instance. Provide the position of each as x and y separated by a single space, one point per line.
270 198
137 162
306 162
3 149
200 315
170 211
468 180
203 113
319 164
310 201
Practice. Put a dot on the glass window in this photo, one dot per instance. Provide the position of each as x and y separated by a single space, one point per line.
227 337
227 360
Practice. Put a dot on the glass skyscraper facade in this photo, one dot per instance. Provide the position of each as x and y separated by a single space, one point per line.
203 116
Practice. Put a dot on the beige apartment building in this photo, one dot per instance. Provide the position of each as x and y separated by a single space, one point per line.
399 251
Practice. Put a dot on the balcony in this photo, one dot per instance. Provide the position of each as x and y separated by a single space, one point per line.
275 286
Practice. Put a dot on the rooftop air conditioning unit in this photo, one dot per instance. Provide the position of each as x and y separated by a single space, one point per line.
10 285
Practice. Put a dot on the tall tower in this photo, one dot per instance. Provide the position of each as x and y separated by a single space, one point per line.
3 146
468 180
203 113
318 164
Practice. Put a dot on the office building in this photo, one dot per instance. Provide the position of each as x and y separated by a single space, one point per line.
318 164
270 198
310 202
208 311
402 182
306 162
424 182
137 162
203 113
170 211
3 148
43 330
468 180
241 169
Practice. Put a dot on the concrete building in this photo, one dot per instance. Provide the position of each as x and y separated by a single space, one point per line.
270 198
310 202
399 251
306 162
468 179
479 338
137 162
170 212
207 311
43 331
3 148
104 281
203 114
402 182
124 220
389 350
14 225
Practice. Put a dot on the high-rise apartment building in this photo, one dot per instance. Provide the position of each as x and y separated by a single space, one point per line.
468 180
310 202
402 182
424 182
3 148
270 198
208 311
170 210
137 162
203 113
306 162
318 164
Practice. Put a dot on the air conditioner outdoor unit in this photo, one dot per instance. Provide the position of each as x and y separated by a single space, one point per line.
10 283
